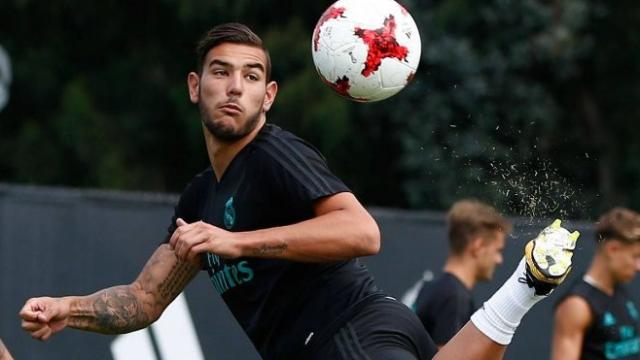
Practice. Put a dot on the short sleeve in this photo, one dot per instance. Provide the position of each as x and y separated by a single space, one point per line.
296 170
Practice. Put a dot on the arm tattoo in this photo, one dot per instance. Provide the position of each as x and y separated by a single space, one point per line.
122 309
118 311
178 278
265 249
114 310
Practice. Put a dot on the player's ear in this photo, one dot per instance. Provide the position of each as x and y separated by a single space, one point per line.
476 244
270 96
612 247
193 82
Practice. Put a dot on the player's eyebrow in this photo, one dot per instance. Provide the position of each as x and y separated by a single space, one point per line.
225 64
258 66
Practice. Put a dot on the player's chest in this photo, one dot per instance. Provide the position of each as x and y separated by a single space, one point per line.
238 205
618 326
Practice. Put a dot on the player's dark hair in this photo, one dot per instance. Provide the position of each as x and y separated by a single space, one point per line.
235 33
619 224
470 218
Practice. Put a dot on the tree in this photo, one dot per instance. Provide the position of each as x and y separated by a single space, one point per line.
528 104
492 113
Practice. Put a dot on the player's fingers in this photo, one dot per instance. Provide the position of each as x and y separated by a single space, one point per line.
31 326
172 240
48 313
184 250
196 250
27 314
196 238
175 236
180 233
32 308
47 334
190 235
40 333
180 247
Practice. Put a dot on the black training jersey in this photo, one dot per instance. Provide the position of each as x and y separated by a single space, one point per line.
613 333
274 181
444 306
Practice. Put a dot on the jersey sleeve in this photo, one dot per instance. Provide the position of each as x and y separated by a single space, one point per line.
297 171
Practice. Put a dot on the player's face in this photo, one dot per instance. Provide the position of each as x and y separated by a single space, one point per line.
232 92
625 260
490 254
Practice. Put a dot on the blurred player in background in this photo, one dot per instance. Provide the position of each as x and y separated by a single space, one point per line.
476 233
4 352
278 235
597 318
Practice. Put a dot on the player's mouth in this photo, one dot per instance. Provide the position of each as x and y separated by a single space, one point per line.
230 108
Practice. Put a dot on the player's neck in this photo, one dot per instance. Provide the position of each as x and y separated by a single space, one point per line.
461 269
221 153
600 277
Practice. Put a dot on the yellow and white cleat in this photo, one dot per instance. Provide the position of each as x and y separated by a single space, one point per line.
548 257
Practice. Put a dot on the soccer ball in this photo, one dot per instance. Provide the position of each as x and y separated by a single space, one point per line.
366 50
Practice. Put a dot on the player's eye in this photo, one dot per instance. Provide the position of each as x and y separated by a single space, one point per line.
219 72
253 77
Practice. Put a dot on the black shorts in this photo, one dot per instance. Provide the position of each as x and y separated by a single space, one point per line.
382 329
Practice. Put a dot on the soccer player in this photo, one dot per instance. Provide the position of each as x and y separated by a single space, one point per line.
597 319
476 239
4 352
278 235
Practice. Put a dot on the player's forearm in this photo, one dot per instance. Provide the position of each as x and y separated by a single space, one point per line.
116 310
122 309
335 236
4 353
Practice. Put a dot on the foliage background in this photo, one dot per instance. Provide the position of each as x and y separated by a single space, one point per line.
531 105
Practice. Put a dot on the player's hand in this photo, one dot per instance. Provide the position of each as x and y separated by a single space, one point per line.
190 240
43 317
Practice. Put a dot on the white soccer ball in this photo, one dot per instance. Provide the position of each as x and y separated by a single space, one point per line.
366 50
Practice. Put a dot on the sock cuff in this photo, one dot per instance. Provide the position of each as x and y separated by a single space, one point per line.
493 325
500 316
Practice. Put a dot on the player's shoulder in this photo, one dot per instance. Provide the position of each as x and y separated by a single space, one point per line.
573 301
202 178
580 294
450 283
443 288
192 197
579 288
198 183
283 146
592 294
574 309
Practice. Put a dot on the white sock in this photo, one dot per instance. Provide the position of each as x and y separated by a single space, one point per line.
500 316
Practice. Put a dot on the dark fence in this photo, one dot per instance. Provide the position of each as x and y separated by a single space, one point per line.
59 242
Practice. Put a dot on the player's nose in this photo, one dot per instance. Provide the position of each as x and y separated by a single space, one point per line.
235 84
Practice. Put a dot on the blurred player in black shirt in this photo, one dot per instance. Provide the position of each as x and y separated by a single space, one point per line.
597 318
476 234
